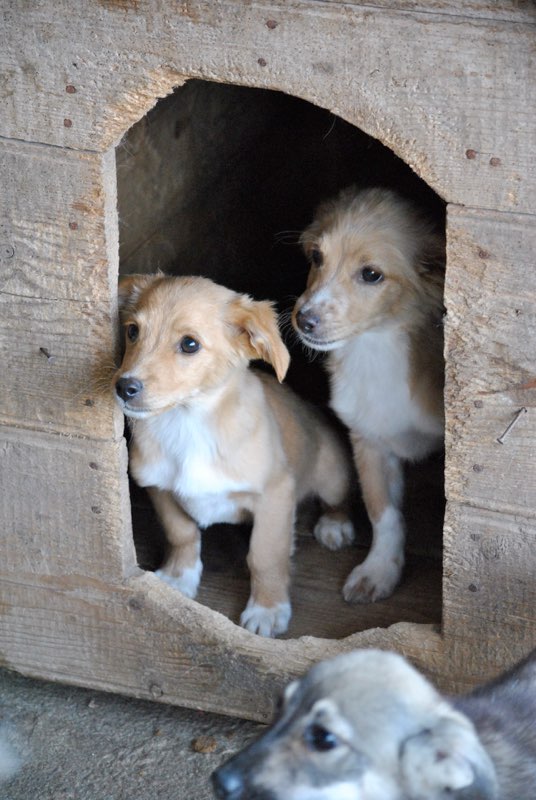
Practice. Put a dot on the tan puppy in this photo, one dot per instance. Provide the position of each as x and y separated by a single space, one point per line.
214 441
367 726
374 301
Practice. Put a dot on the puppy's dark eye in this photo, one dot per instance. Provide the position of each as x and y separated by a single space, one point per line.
319 738
316 257
189 345
371 275
132 332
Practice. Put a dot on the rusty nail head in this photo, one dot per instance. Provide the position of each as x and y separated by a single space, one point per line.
495 162
470 154
73 226
483 253
271 23
67 123
261 62
70 89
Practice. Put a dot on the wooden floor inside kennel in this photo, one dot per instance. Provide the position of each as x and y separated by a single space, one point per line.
318 574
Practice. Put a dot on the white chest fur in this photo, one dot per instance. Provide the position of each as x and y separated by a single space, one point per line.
179 452
370 391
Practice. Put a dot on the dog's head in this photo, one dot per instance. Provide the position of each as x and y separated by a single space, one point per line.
362 726
184 336
374 260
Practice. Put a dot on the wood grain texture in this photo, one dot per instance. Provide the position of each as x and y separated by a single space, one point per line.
489 588
146 640
489 602
58 225
491 372
65 513
457 105
513 10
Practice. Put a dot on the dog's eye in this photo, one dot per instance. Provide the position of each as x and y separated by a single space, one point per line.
316 257
371 275
189 345
319 738
132 332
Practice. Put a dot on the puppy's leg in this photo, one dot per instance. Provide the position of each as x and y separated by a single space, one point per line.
380 475
182 567
334 528
268 609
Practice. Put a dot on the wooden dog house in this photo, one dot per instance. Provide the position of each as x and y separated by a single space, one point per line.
437 94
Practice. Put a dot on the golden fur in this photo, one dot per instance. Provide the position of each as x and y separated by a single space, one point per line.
215 441
373 301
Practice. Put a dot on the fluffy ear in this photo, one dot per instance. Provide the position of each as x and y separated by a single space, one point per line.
130 289
256 325
448 761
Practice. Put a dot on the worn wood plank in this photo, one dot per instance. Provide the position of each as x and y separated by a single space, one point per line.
490 344
489 611
58 228
145 640
458 105
65 512
513 10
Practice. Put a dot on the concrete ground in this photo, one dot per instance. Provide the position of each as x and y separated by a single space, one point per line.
79 744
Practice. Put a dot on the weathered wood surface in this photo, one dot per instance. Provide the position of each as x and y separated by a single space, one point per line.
513 10
58 231
148 641
64 511
491 370
453 96
490 528
489 589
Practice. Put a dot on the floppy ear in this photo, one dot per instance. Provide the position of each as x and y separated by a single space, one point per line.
259 337
130 289
448 761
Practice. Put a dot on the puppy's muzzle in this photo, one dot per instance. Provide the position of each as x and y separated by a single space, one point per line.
233 780
128 388
307 321
228 783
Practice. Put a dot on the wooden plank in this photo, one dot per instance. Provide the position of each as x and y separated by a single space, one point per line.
489 607
58 228
490 295
65 512
513 10
145 640
458 105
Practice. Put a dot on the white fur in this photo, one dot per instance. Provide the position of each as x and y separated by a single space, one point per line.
379 573
187 583
336 791
370 393
334 533
189 466
266 621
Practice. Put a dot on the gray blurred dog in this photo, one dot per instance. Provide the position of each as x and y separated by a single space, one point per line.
367 726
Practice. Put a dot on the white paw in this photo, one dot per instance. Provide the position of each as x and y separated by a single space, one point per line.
266 621
334 531
374 579
187 582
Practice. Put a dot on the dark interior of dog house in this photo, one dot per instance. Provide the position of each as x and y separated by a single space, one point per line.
219 180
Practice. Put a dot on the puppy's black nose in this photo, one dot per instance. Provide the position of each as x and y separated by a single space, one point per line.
307 321
228 783
128 388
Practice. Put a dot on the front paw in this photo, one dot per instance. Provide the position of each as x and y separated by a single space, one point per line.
264 620
186 582
334 530
372 580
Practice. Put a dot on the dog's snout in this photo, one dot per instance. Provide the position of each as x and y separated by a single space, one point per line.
228 783
128 388
307 321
